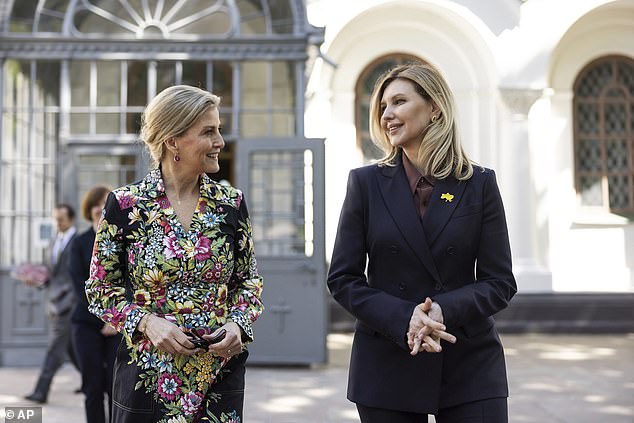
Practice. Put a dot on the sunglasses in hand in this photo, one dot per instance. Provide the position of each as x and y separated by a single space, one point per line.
196 337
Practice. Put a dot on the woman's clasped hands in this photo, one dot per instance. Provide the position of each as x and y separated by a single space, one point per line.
426 328
168 337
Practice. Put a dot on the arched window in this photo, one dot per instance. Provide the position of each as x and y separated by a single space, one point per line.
363 91
174 19
604 134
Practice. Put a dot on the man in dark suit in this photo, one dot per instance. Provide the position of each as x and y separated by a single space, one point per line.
61 300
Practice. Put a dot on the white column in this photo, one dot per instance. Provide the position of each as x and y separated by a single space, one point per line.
520 195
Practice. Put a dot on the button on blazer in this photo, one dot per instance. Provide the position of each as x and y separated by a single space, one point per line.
458 255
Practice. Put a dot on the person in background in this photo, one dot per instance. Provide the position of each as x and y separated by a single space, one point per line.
61 300
95 342
430 226
173 258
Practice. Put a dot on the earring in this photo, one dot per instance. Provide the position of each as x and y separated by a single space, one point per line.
434 118
177 158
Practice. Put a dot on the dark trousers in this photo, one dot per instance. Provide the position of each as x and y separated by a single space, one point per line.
59 345
96 354
223 401
486 411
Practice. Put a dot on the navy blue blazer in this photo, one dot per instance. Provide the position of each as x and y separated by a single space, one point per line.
80 256
458 255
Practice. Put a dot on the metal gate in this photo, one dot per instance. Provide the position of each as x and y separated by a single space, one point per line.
283 183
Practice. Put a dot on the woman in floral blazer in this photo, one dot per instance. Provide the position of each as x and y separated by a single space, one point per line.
174 252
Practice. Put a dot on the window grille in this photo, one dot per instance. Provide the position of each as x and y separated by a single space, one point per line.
604 135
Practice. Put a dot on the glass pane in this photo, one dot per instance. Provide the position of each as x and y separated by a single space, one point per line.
615 118
589 155
47 84
80 83
282 202
137 84
283 85
45 135
165 75
591 193
587 117
594 80
108 83
281 16
90 23
50 21
253 125
200 21
195 74
254 84
617 155
619 189
22 16
15 141
223 82
252 19
107 123
283 124
80 123
16 83
626 76
133 123
364 117
226 122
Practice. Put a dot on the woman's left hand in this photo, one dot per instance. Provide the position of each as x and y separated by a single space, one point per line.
232 343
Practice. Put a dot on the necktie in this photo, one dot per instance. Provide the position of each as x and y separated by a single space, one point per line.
57 248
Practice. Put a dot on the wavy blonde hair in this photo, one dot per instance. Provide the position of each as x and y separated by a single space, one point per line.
440 153
170 114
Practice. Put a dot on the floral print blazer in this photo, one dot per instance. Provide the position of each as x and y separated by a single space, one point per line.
200 277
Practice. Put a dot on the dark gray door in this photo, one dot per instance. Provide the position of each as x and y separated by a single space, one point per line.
283 183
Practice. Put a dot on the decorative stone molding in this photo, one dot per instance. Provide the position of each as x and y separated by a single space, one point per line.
519 100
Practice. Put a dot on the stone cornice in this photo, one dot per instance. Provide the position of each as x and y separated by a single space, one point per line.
228 49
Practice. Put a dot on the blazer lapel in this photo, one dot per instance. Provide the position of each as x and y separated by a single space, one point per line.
398 200
445 197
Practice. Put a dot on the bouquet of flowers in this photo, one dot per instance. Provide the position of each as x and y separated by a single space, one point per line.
31 274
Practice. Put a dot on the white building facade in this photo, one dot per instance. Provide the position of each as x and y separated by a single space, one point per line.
545 96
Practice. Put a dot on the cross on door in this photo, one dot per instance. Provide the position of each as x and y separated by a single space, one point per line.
282 309
29 301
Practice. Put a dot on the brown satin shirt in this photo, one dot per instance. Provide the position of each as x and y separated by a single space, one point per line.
420 185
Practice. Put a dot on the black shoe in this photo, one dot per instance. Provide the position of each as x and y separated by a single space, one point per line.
40 399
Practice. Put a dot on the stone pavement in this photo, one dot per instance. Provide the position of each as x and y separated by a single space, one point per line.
553 379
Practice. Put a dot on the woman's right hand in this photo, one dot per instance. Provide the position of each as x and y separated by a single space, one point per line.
426 328
166 336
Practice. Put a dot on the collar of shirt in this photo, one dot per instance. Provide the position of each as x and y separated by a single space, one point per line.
414 176
153 186
68 235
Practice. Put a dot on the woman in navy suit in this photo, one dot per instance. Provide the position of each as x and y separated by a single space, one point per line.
430 226
95 342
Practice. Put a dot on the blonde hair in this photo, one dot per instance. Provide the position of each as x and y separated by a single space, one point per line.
170 114
440 153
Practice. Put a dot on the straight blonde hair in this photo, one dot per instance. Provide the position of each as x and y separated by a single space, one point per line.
170 114
440 153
